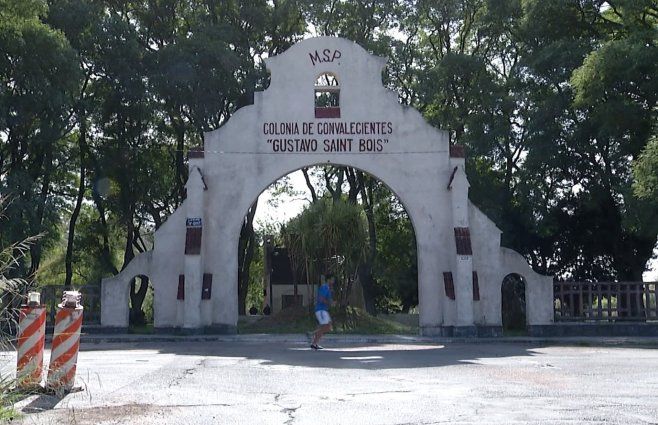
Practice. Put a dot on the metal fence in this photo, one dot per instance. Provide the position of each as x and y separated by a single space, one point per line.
605 301
51 295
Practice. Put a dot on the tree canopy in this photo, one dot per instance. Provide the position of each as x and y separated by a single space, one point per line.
555 102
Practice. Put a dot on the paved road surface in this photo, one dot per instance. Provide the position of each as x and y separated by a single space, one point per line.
286 383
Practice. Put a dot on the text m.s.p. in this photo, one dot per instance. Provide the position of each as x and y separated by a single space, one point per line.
326 55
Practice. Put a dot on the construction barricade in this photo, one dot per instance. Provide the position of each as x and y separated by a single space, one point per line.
31 341
66 343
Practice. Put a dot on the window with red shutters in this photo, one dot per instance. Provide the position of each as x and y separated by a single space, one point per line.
476 287
180 295
449 285
463 241
206 289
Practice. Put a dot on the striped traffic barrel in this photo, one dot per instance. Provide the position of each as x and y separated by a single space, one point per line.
31 341
65 346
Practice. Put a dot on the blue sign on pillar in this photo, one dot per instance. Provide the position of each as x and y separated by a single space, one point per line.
193 222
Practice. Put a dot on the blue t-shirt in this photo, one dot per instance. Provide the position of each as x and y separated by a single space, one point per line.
325 292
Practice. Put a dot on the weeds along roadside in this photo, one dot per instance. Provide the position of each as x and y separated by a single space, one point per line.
12 291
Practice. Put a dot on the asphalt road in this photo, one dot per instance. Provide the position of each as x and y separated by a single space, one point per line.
286 383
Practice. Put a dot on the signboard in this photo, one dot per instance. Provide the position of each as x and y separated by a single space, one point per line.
193 222
323 136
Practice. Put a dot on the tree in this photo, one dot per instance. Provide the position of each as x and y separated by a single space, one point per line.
617 89
396 265
330 236
39 81
646 172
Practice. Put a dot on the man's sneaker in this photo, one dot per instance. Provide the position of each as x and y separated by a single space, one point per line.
317 347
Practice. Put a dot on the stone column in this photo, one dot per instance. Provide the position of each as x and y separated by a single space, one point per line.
194 209
463 265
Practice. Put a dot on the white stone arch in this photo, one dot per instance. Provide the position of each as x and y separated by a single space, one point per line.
538 288
115 291
266 140
432 259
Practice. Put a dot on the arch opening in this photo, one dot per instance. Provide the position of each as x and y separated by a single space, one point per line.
141 302
288 262
327 96
513 309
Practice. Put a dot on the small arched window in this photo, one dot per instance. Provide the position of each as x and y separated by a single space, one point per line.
327 96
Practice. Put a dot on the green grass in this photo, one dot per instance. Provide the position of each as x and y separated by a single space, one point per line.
9 395
141 329
8 414
515 332
349 321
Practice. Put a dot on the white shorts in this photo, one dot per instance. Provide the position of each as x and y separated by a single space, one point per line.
323 317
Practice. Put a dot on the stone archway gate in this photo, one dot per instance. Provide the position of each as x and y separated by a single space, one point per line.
357 122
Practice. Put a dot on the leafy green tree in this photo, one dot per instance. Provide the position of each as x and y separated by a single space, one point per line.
331 236
396 266
617 89
646 173
39 80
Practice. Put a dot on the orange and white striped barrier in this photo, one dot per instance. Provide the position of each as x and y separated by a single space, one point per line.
66 343
31 341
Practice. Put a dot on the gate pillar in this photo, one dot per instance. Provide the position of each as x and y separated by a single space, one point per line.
194 208
463 265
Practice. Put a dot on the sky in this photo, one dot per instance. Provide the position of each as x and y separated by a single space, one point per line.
286 207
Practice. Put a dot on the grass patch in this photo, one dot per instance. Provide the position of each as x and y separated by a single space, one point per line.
515 332
346 321
9 395
142 329
8 414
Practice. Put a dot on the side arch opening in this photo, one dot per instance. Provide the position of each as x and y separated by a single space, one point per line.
141 303
514 312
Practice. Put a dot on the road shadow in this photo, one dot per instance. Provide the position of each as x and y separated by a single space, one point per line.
335 355
42 403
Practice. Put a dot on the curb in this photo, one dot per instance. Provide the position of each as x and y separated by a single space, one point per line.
365 339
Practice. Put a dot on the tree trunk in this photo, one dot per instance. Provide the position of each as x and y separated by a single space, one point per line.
129 253
36 248
314 195
246 247
365 269
180 159
82 142
137 316
106 253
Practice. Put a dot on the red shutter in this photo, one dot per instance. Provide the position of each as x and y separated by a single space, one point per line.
476 287
193 241
327 112
206 290
181 287
463 241
449 285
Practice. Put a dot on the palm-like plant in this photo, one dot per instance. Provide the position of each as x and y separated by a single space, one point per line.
328 235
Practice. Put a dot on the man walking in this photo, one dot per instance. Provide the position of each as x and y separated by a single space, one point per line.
322 305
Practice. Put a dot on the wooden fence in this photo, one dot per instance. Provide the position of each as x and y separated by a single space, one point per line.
605 301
